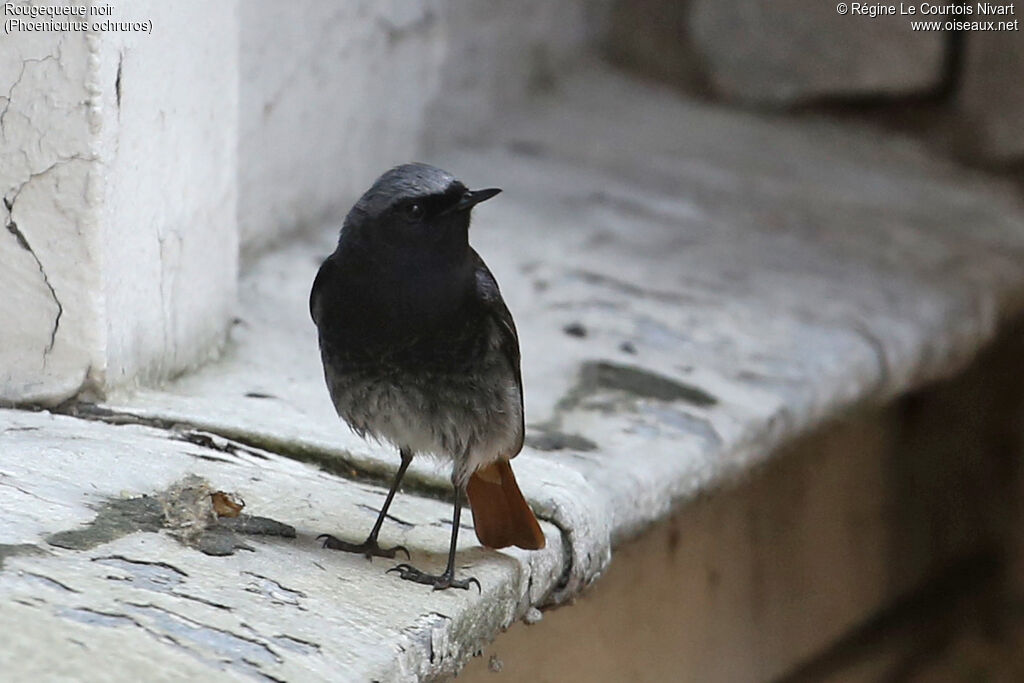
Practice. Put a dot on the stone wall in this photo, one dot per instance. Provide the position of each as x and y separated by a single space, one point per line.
990 97
794 53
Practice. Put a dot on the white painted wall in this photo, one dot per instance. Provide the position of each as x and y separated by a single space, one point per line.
332 93
335 93
169 157
49 252
127 209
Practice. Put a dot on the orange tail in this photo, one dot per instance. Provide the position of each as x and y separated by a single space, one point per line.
500 513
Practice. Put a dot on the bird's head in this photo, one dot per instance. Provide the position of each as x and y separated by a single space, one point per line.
416 211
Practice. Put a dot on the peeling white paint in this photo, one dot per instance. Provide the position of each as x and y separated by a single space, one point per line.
92 187
48 339
288 609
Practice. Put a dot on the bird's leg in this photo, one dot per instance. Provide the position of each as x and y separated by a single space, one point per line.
446 579
369 547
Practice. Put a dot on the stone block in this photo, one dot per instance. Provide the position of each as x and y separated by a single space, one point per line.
991 96
792 51
652 37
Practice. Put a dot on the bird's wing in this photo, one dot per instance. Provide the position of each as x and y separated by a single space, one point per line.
315 294
489 296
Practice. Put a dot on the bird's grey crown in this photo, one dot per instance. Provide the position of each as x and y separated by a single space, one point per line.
404 182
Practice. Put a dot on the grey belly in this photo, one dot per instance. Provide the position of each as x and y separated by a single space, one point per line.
473 417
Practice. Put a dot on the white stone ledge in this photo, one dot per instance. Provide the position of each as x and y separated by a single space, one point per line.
284 608
738 281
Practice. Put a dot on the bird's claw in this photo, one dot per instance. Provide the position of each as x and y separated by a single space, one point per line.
438 582
369 547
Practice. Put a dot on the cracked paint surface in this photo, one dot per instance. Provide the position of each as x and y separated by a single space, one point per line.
168 208
285 609
12 228
121 267
47 344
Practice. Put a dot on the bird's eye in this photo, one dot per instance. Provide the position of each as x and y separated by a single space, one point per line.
414 211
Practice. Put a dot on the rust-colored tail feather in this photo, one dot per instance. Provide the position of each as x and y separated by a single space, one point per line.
500 513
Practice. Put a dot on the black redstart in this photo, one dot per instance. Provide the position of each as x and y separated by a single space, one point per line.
419 350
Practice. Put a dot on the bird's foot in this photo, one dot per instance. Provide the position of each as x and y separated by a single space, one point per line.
369 547
439 582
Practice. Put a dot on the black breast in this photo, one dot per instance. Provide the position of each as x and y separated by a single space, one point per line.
417 321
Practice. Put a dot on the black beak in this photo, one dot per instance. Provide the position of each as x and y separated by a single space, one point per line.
474 197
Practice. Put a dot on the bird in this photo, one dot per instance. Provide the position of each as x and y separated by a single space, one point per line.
420 351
